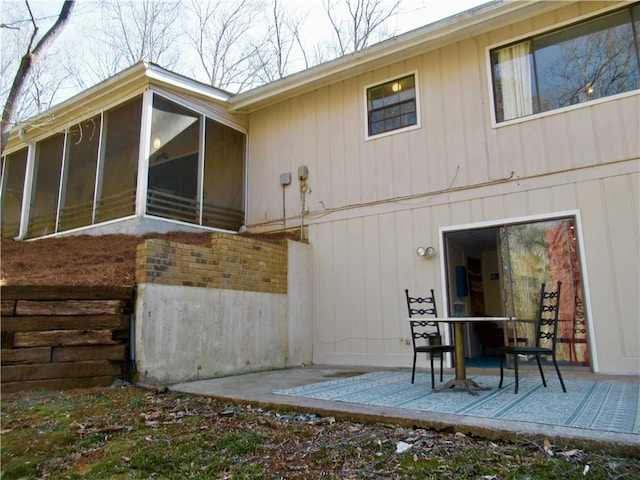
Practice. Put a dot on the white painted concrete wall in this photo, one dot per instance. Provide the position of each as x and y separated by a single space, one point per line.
300 305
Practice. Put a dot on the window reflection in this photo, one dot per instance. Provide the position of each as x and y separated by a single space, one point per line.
593 59
173 164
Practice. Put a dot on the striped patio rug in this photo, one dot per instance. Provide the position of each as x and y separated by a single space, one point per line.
604 406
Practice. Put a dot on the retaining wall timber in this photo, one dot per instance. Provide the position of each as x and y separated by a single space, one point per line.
64 337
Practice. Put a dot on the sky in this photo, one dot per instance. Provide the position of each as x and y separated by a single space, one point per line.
414 13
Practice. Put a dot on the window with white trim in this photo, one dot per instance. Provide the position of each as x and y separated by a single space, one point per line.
585 61
392 106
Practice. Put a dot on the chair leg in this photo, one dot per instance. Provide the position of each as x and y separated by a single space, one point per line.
441 363
433 383
544 381
555 364
413 371
515 368
502 360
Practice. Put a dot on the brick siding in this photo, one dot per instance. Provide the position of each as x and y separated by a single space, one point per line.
232 262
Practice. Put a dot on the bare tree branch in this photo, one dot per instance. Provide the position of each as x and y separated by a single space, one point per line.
29 59
221 41
364 22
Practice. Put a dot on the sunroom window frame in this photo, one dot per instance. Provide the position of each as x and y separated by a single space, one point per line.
145 147
394 78
205 114
530 36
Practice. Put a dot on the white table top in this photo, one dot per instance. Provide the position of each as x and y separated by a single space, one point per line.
463 319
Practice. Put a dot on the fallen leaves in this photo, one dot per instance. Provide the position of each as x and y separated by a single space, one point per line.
140 431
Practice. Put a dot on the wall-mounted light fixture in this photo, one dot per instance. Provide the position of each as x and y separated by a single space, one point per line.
426 252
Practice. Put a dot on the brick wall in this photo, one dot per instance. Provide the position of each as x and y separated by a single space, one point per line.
233 262
64 337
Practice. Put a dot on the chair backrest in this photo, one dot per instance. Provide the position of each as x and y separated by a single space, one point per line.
422 328
547 319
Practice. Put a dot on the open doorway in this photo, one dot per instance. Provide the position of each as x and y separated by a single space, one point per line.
497 271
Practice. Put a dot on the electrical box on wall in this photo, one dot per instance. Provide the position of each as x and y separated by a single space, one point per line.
303 172
285 178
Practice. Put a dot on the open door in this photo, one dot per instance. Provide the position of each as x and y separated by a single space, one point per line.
497 271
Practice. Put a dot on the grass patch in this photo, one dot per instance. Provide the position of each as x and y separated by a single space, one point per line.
129 433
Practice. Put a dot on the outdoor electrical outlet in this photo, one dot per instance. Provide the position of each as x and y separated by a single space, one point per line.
285 179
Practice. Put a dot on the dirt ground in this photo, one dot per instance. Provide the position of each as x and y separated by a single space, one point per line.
107 260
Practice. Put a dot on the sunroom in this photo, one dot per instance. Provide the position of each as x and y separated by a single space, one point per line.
146 150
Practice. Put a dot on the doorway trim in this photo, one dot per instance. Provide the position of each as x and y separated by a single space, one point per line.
442 231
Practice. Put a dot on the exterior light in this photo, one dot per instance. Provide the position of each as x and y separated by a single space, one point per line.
426 252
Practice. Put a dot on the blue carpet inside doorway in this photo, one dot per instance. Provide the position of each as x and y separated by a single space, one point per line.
605 406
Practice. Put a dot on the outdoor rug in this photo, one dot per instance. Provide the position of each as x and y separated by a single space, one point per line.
605 406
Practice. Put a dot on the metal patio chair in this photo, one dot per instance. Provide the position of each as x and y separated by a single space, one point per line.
424 330
546 329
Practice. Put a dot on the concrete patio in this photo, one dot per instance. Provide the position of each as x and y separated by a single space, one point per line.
259 389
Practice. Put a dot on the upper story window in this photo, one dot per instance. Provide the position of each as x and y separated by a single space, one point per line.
392 106
589 60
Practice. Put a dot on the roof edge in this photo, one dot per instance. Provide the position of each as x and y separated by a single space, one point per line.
474 19
137 73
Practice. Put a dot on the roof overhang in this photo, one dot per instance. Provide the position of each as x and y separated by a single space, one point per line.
111 91
476 21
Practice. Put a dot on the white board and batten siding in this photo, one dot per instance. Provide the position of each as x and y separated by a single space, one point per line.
372 202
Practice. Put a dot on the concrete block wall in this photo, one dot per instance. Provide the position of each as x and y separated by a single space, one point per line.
233 262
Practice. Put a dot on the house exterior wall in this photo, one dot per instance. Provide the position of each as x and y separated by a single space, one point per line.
373 202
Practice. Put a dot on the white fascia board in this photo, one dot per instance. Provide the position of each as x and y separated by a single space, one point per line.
435 35
172 79
87 102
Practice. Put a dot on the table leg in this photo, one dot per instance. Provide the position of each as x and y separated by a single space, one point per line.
461 379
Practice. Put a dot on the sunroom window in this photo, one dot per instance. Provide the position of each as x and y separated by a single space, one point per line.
178 149
46 185
583 62
119 162
79 177
392 106
89 173
13 171
173 165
